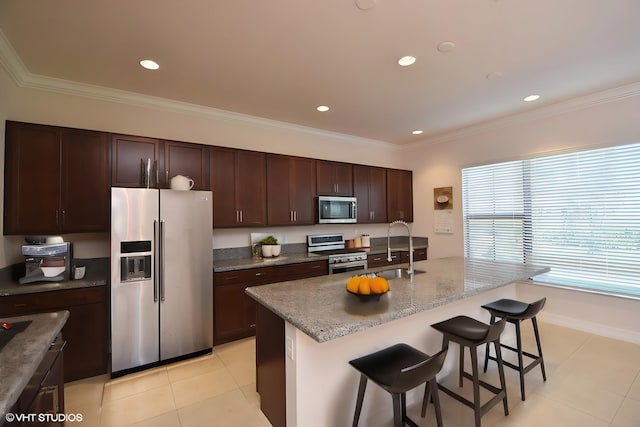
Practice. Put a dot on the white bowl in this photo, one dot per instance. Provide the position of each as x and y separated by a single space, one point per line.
52 271
54 239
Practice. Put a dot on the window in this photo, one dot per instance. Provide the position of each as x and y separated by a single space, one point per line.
578 213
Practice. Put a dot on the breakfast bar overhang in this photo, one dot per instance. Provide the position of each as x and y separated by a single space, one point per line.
308 330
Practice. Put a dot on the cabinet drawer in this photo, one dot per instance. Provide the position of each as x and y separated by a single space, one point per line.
250 275
14 305
380 260
302 270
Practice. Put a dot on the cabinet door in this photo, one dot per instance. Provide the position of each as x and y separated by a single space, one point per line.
129 157
370 188
85 186
279 211
230 313
301 190
32 179
190 160
251 188
290 190
223 185
334 178
399 195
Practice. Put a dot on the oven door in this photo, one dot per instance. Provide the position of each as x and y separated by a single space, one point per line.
347 266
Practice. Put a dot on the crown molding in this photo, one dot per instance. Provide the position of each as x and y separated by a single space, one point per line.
544 112
16 69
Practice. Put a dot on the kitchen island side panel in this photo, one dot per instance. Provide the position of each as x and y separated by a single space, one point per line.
270 365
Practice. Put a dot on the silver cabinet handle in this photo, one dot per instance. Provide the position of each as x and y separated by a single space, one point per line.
295 216
258 274
241 216
57 218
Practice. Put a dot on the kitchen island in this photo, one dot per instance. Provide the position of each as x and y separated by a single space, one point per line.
309 329
23 354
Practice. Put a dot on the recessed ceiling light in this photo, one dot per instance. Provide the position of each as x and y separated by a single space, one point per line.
446 46
365 4
417 132
494 75
531 98
149 64
407 60
322 108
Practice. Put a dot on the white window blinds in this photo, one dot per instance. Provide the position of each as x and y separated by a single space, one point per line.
578 213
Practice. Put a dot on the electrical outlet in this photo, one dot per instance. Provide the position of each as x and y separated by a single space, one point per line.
289 347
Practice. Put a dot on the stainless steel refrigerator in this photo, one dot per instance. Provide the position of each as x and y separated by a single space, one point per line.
161 276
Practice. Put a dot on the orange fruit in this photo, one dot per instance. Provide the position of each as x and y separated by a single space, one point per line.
365 286
379 285
353 284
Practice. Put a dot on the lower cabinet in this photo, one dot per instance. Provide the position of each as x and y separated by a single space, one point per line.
86 350
234 312
42 400
397 257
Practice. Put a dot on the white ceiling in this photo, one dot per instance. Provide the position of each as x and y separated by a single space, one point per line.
279 59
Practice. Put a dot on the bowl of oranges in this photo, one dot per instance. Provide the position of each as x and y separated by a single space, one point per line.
367 287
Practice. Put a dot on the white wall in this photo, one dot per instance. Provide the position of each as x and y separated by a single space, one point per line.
156 118
570 126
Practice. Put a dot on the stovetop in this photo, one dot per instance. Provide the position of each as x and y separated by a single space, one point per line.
335 252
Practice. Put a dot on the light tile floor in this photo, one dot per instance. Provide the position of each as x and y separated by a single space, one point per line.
591 381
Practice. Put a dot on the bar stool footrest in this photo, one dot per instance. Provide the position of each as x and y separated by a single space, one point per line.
484 408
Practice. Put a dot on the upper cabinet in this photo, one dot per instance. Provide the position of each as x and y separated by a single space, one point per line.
370 188
290 190
135 161
149 162
238 182
399 195
190 160
56 180
334 178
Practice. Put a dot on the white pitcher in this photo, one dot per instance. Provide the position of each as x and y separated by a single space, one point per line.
181 183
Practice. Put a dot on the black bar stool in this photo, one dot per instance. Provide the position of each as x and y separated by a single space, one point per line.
515 312
398 369
472 333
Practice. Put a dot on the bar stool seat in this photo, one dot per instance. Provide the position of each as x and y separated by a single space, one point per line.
469 332
515 312
398 369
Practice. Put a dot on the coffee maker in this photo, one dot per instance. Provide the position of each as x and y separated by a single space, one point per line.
47 262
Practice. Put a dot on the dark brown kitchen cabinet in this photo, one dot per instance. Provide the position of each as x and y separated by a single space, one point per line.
85 354
301 270
399 195
381 260
418 255
370 188
290 190
135 160
56 180
234 312
334 178
190 160
239 190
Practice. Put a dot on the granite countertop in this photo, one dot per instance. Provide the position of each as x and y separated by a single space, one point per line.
20 358
322 308
245 263
14 288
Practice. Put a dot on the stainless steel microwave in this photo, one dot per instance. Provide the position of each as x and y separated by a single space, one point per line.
337 210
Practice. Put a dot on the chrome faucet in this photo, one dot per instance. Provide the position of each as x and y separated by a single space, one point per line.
410 270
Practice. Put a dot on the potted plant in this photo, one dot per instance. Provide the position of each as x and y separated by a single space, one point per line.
270 247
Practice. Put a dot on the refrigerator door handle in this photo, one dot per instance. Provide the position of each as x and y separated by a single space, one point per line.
156 264
162 260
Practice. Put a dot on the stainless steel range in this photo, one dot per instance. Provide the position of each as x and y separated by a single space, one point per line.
340 258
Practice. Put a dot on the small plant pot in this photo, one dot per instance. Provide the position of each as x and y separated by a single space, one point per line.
269 251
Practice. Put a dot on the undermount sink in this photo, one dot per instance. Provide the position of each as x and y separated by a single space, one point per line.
397 273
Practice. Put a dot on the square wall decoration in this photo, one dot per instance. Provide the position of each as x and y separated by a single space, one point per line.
443 198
